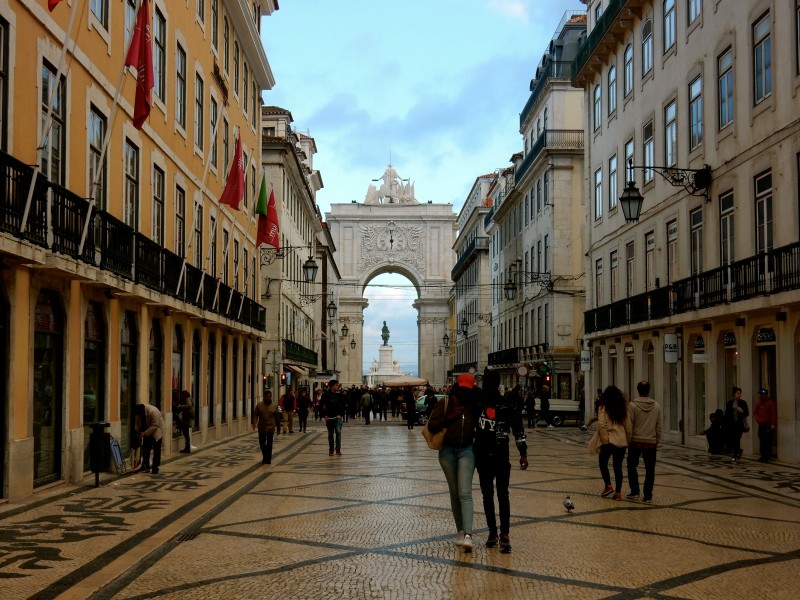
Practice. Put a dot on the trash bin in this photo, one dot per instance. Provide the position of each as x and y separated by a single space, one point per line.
99 450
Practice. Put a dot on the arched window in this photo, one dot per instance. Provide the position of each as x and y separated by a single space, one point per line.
48 368
597 114
612 89
647 47
627 75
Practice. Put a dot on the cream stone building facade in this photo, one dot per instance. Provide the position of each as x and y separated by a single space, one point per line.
684 84
155 290
534 229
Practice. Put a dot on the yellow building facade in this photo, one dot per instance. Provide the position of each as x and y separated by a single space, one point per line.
122 278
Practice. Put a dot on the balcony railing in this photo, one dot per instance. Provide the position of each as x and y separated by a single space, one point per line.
110 244
596 35
509 356
479 243
554 139
766 273
294 351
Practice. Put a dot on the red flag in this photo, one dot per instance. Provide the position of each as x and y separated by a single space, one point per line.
234 186
272 223
140 55
268 229
51 4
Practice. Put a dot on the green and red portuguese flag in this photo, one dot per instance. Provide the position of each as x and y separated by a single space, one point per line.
268 228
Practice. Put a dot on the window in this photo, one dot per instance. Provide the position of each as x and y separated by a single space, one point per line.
696 224
627 75
596 103
629 159
97 175
538 195
669 24
225 269
672 251
226 44
647 151
670 135
198 236
695 7
214 117
630 255
612 183
695 113
225 145
130 207
598 11
55 145
598 282
159 55
245 278
199 121
130 21
546 192
647 47
245 87
3 84
236 265
650 261
613 260
763 194
255 112
180 222
612 89
797 40
99 9
598 194
725 91
546 259
762 58
236 68
245 195
158 206
201 10
727 252
212 253
215 24
180 86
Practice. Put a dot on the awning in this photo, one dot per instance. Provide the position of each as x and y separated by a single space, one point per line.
297 370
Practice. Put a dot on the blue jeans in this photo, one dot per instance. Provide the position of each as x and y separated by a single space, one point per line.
458 465
334 425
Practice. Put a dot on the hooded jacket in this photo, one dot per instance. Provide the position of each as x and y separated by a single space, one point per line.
645 421
460 418
499 416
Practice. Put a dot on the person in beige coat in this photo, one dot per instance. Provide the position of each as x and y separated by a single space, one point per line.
150 425
614 433
646 434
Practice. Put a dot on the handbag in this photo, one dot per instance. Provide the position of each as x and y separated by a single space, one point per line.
435 441
594 444
745 425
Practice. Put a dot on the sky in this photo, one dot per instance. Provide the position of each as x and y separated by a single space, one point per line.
434 86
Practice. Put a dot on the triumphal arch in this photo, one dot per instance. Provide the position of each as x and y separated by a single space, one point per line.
392 232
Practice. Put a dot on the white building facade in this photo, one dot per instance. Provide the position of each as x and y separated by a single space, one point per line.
684 84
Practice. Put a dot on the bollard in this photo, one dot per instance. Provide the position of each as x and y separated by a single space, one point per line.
99 449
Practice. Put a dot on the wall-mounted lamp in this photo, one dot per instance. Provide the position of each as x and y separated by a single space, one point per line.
353 343
345 330
541 278
695 181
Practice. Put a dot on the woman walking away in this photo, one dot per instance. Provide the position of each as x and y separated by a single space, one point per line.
456 456
614 433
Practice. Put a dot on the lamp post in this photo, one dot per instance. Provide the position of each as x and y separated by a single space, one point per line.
696 182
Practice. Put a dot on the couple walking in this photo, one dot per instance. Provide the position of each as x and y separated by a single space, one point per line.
634 428
478 423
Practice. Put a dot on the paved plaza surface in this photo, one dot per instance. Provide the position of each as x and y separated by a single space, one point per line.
375 523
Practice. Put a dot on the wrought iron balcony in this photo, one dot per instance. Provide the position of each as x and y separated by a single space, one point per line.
551 139
552 71
296 352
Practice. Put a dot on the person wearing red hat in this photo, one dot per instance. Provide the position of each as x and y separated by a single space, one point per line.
458 415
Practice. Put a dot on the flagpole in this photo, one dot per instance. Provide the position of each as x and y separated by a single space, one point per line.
48 120
104 150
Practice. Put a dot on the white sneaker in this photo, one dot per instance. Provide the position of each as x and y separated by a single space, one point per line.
194 448
550 427
466 545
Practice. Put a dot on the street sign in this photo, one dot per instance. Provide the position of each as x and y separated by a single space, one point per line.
671 348
586 361
522 370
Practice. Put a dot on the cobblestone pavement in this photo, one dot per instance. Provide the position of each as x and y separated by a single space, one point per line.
376 523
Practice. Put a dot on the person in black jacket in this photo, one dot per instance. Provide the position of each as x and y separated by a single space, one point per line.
736 413
499 416
334 406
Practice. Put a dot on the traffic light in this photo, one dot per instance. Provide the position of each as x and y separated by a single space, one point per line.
283 378
542 369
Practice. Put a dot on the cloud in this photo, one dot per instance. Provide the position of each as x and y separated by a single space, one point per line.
516 9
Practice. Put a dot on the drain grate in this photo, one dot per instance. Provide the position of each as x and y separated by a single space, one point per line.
186 537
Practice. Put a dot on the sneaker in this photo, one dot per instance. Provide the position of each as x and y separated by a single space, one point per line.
339 452
583 427
491 541
648 500
194 447
330 452
466 545
505 544
550 427
733 460
185 451
617 496
607 491
144 469
155 471
632 496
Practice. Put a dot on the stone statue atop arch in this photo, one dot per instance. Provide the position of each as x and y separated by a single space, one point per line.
385 334
393 190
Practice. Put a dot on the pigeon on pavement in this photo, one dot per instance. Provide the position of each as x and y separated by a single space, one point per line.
568 504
